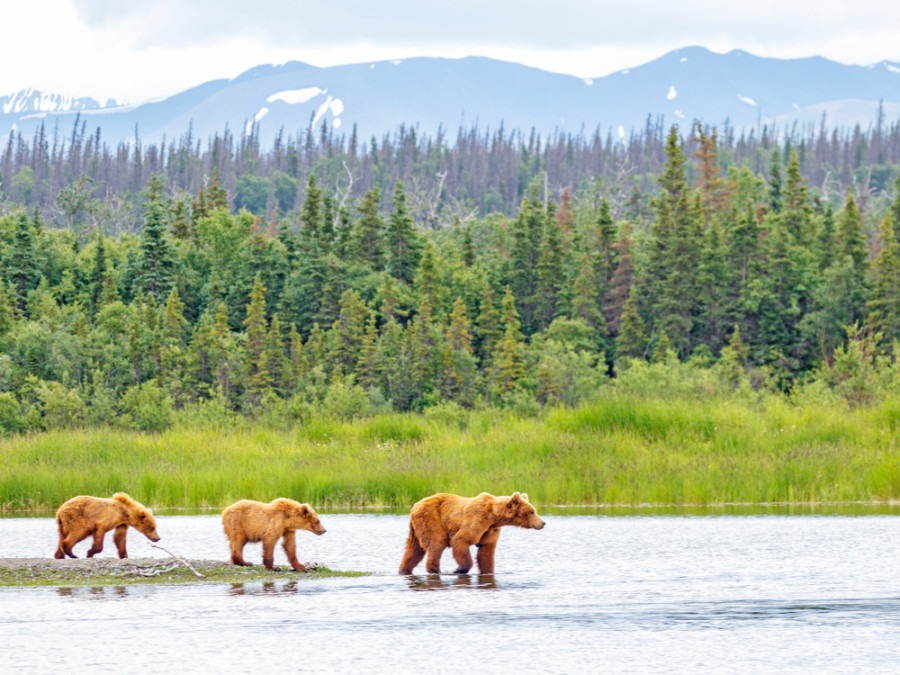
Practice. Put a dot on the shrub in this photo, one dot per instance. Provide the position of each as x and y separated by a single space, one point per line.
146 407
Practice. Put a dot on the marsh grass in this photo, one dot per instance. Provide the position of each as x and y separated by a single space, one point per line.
619 450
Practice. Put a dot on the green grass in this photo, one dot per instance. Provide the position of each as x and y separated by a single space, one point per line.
621 450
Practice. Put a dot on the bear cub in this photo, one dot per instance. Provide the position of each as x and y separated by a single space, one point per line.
252 521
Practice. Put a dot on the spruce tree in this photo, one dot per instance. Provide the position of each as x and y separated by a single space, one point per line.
632 339
402 240
258 378
367 242
156 262
20 261
884 305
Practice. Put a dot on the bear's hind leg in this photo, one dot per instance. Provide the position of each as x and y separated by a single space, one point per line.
413 554
119 539
237 551
289 542
433 562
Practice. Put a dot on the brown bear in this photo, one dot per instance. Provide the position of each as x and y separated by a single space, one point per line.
443 520
247 520
83 516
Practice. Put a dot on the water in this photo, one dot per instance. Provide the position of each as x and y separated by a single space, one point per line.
586 594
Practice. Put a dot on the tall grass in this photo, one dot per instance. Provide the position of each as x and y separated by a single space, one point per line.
621 450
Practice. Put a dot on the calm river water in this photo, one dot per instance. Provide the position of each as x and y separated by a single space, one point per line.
586 594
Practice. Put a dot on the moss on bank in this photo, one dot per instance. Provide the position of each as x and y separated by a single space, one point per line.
114 572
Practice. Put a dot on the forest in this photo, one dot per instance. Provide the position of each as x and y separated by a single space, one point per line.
146 286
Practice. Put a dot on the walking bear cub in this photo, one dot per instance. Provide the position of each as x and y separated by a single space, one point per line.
83 516
443 520
247 520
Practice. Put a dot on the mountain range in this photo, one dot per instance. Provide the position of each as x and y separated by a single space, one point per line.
431 93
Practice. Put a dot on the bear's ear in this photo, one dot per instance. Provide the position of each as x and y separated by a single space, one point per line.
305 510
515 500
525 496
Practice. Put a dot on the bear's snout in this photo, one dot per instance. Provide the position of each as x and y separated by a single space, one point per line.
540 525
321 531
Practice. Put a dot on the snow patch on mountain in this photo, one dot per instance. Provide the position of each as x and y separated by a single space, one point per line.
292 96
256 118
893 69
672 93
747 100
337 107
321 111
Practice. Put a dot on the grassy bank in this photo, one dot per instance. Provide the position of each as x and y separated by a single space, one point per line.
623 450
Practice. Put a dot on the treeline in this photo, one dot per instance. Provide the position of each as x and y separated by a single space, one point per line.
353 310
77 179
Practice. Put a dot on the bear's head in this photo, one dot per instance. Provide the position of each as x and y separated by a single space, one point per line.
517 510
303 517
139 516
142 520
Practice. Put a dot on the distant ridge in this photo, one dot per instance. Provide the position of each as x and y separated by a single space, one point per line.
432 93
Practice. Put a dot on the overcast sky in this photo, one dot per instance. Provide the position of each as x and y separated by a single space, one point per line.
139 49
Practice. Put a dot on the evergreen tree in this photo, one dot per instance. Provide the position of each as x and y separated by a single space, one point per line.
348 331
99 274
508 363
884 305
632 340
156 263
277 363
20 262
427 279
550 276
776 184
258 378
402 240
367 363
487 326
311 218
585 304
850 240
368 233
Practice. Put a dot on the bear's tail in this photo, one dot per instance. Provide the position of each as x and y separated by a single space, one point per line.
413 554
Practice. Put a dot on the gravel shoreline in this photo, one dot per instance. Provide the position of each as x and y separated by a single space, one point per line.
105 571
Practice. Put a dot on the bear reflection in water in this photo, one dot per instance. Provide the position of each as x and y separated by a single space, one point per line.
95 591
434 582
267 588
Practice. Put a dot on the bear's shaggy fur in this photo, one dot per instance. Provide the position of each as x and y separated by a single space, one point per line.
83 516
443 520
247 520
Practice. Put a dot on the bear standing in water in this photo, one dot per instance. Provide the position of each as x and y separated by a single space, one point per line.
247 520
443 520
83 516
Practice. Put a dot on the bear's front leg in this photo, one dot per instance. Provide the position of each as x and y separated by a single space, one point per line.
119 540
98 543
269 551
290 548
461 554
486 548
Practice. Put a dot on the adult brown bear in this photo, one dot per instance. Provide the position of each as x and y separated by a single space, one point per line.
443 520
247 520
83 516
